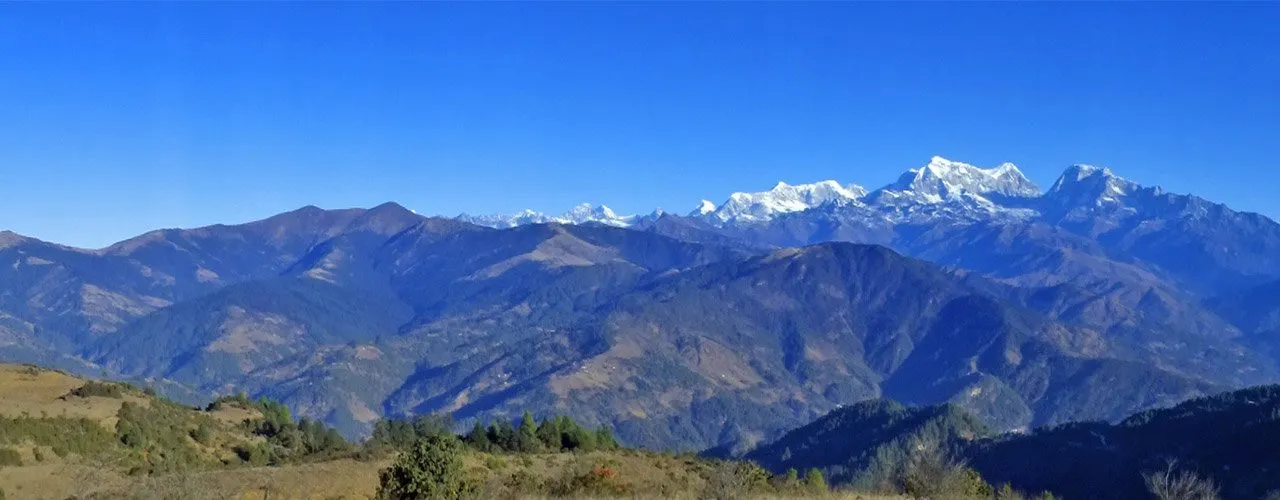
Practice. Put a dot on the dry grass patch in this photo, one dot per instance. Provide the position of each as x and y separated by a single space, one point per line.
36 392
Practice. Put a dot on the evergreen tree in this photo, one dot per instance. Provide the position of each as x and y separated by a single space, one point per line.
503 435
478 438
527 435
604 439
814 480
549 433
578 438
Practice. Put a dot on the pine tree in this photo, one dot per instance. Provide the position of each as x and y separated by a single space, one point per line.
604 439
503 435
549 433
527 435
478 438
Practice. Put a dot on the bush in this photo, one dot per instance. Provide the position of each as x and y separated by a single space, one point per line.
599 480
932 472
1006 492
732 480
255 455
37 454
65 435
432 469
814 482
238 400
10 458
130 434
1172 484
201 434
495 463
100 389
789 482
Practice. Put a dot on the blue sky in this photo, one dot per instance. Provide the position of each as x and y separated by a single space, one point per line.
116 118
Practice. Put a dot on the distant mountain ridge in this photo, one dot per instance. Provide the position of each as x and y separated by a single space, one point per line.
724 327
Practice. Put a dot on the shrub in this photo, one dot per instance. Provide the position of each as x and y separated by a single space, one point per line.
495 463
599 480
733 480
37 454
814 482
931 472
1172 484
130 434
255 455
432 469
788 482
525 483
100 389
201 434
1006 492
10 458
238 400
83 436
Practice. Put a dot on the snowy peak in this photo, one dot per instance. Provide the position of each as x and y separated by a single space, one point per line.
503 221
704 208
783 198
943 179
1081 173
942 189
1090 186
587 212
581 214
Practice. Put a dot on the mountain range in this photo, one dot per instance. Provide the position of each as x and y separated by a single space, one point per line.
723 327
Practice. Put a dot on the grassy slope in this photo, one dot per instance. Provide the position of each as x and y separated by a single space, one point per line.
103 471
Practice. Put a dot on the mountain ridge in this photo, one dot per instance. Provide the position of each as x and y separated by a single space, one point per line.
683 331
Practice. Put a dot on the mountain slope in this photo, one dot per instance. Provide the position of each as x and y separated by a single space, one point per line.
748 346
363 325
1230 437
77 296
858 443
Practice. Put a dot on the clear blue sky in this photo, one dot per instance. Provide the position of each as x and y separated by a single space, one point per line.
116 118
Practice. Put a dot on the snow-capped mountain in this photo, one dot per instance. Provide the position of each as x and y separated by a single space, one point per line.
943 179
941 191
940 188
782 199
580 214
704 208
1088 187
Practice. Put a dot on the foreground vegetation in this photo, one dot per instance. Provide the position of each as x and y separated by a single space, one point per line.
63 437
